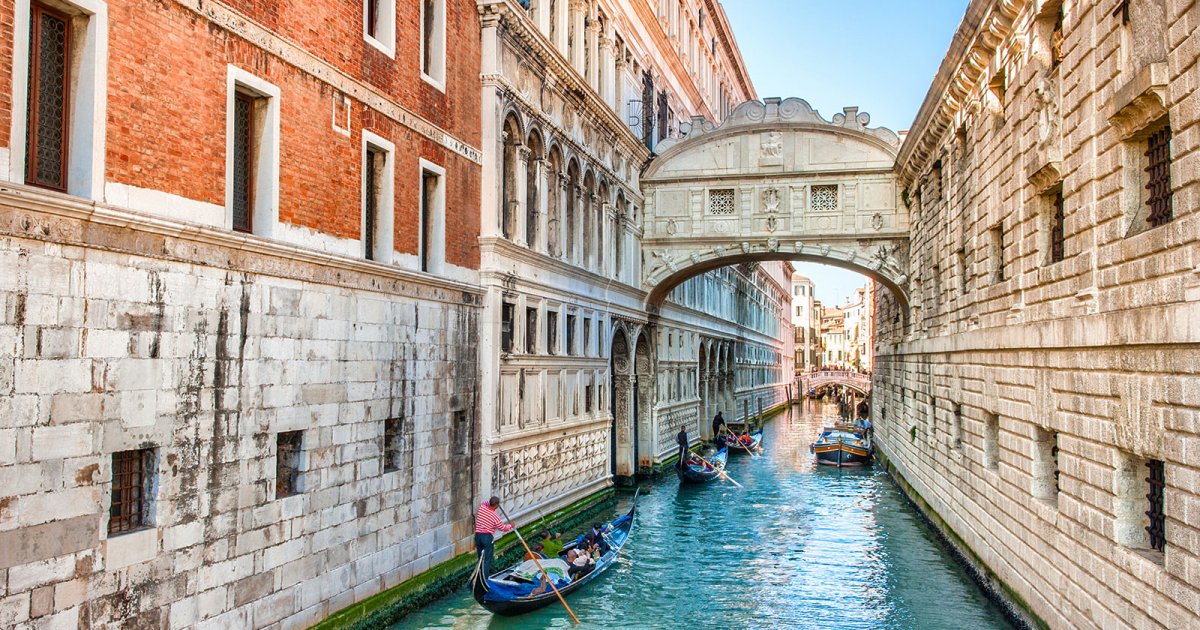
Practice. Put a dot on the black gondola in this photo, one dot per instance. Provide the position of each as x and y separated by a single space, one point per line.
521 588
699 472
736 444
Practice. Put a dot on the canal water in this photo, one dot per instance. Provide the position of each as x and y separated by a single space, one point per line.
800 546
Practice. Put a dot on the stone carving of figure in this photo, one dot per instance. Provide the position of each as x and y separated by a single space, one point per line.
1046 102
770 199
772 145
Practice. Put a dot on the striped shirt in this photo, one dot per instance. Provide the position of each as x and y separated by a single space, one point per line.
487 521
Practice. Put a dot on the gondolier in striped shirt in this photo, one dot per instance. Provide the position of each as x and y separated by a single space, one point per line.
487 521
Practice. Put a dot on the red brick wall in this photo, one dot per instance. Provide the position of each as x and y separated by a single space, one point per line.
6 55
166 119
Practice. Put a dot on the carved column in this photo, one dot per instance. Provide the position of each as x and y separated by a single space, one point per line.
606 62
578 30
543 16
593 53
543 202
522 183
619 86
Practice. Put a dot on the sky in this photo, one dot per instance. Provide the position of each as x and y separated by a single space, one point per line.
878 55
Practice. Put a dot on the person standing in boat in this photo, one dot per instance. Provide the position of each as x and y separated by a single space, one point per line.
487 521
718 425
682 440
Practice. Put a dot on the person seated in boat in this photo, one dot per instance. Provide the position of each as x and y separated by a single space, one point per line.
695 460
596 539
745 438
536 552
580 563
552 544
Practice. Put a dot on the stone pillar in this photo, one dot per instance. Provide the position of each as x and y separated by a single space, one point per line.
593 54
604 258
561 19
579 30
576 227
543 16
564 200
619 86
543 186
522 200
606 62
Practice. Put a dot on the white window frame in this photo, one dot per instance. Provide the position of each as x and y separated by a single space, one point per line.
386 42
266 162
437 249
88 89
438 77
385 219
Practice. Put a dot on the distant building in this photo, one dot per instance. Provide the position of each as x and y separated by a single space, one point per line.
806 323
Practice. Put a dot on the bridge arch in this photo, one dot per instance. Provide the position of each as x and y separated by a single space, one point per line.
776 181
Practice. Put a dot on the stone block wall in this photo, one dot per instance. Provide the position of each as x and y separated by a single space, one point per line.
1022 396
116 339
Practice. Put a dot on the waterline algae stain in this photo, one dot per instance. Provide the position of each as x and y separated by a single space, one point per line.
800 546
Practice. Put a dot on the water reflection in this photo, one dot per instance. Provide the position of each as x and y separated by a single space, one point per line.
800 546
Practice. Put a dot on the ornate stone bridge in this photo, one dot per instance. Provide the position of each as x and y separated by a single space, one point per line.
775 181
857 381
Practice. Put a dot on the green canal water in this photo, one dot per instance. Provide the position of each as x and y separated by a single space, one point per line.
800 546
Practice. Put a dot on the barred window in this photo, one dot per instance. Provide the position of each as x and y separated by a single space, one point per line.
1158 177
243 162
49 108
1057 225
287 463
131 490
1156 527
393 443
824 198
720 201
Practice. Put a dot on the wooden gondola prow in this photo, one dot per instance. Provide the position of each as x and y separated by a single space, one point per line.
549 580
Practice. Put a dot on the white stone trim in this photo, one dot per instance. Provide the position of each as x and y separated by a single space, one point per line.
437 75
89 97
164 204
386 42
313 239
266 166
385 229
437 253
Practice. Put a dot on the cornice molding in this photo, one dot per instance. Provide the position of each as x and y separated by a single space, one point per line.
984 28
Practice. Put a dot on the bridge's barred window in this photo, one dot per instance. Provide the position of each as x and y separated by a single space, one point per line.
1156 481
1045 465
132 484
824 198
1056 220
720 201
996 235
49 111
1140 510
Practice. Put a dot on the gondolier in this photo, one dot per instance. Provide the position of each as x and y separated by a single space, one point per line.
718 424
682 440
487 521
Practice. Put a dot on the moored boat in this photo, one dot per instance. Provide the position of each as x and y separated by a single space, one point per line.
697 471
744 443
522 587
840 447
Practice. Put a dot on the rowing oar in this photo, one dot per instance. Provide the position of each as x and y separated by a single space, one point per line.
739 442
720 471
532 555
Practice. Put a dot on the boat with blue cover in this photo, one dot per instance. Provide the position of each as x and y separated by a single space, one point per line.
522 587
700 471
842 446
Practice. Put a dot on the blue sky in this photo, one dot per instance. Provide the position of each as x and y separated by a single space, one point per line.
879 55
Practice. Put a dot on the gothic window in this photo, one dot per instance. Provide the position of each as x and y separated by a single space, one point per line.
508 183
824 198
720 201
49 106
1158 177
132 473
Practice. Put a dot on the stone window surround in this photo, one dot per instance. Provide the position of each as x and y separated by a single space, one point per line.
385 29
266 158
385 213
88 102
437 70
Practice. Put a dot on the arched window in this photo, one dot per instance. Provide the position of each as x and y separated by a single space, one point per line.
532 188
572 212
554 222
508 180
587 261
618 236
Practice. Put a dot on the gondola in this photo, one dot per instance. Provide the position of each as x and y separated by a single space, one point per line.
521 588
736 445
699 472
840 447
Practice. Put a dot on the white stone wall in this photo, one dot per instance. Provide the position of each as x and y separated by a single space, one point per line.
1098 348
117 339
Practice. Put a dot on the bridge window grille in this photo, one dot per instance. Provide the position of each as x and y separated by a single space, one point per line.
1158 177
824 198
1156 527
720 201
1045 465
1057 226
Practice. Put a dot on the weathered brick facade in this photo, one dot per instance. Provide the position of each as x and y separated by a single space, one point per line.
133 318
1023 396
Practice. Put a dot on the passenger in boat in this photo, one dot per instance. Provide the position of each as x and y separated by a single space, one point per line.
595 539
581 564
718 427
537 552
552 544
487 521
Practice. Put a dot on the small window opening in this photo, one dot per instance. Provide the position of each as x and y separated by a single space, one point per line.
506 327
287 463
531 330
393 444
132 489
991 441
551 332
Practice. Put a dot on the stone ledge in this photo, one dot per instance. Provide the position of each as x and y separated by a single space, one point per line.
1139 102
